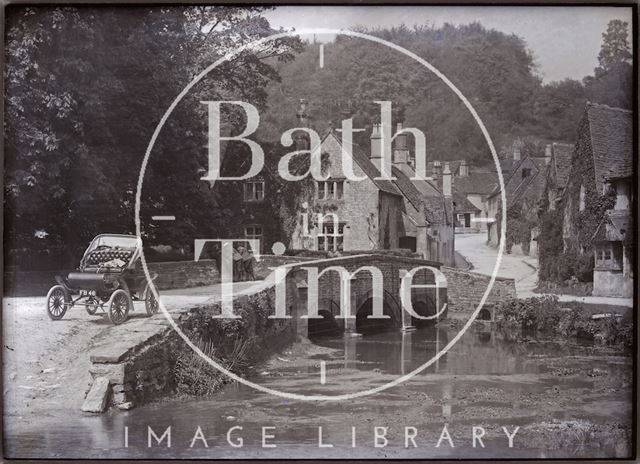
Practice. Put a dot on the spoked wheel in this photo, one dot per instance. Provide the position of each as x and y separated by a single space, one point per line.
150 302
119 306
57 302
92 306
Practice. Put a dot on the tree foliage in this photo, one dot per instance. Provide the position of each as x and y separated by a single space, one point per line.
86 87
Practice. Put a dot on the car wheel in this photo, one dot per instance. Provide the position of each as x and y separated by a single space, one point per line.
150 302
57 302
119 306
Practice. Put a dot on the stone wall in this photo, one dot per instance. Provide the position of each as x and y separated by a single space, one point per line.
143 371
141 366
185 274
171 275
465 290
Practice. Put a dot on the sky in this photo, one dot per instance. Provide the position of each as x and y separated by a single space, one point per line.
565 41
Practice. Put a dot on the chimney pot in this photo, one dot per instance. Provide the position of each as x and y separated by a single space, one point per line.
464 169
446 180
437 169
376 142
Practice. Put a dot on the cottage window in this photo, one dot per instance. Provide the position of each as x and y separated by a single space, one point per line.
254 232
609 256
330 190
254 190
331 238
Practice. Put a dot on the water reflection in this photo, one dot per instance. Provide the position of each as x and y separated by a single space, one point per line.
469 365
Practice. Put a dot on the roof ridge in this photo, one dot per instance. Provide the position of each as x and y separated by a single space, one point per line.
602 105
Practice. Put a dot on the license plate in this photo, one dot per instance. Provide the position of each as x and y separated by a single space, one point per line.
87 293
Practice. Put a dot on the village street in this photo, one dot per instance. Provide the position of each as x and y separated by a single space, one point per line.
523 269
45 359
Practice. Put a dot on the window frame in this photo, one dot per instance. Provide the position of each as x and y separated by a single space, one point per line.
330 189
329 239
250 186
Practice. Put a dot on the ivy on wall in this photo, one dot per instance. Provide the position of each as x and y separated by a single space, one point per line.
568 254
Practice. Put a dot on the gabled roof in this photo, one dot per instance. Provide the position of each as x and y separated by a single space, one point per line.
367 166
614 227
516 187
562 153
462 204
482 183
418 193
611 133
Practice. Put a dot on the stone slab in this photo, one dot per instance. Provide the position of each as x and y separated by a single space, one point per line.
98 396
111 353
114 372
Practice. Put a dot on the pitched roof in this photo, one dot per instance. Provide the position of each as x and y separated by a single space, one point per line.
477 182
407 187
462 204
562 153
417 193
534 184
614 227
611 134
362 159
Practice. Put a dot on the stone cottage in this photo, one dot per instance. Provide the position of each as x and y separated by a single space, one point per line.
347 215
475 187
524 189
598 199
558 172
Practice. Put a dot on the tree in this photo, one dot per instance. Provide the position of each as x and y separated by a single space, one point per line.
612 81
615 47
85 89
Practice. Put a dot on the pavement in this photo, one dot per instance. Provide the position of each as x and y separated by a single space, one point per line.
523 269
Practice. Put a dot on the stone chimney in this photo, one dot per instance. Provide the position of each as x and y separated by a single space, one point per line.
464 169
548 150
376 144
437 169
446 181
400 149
300 138
517 148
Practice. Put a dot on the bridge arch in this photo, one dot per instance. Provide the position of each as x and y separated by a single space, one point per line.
390 307
425 306
330 324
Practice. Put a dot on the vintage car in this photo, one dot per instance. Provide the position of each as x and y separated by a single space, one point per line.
110 274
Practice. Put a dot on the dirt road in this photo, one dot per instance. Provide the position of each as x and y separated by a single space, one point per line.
515 266
46 363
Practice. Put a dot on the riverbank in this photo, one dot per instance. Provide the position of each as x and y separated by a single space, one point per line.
569 398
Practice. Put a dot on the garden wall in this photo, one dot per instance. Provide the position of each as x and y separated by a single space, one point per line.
465 290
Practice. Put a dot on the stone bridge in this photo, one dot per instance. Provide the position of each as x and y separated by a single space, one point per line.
139 364
360 282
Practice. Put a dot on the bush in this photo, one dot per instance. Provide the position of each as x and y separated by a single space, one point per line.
537 313
544 314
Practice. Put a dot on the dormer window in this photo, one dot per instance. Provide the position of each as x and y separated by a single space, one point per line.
526 172
254 190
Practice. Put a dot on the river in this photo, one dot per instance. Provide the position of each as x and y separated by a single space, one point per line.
569 399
